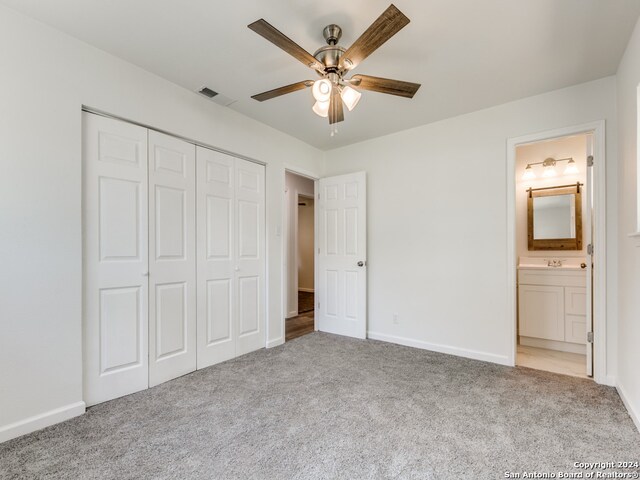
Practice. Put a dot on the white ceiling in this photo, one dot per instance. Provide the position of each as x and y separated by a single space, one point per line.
467 54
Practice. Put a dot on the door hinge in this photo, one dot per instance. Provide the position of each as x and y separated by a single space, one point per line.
318 305
590 161
589 337
590 249
318 251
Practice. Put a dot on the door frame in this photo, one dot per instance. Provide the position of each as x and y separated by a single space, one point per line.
285 243
598 240
297 241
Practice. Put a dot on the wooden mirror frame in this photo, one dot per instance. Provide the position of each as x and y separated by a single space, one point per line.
555 243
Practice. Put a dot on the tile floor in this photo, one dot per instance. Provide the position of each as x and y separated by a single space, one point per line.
552 361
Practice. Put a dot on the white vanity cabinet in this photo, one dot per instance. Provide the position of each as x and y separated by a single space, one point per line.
542 312
552 306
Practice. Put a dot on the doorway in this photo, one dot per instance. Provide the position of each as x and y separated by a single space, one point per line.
556 208
300 256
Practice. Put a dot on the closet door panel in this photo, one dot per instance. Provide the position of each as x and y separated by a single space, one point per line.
172 262
250 262
115 258
216 252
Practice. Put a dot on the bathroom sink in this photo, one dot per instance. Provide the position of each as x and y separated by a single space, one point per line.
547 267
535 263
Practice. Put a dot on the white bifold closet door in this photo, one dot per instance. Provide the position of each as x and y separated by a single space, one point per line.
231 256
159 301
172 258
115 258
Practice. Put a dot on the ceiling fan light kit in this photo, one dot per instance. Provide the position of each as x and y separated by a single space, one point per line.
332 62
350 97
321 108
322 90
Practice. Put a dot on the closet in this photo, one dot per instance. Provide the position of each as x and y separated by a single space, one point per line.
173 261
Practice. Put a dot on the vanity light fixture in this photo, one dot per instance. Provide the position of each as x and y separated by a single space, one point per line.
528 173
549 168
572 168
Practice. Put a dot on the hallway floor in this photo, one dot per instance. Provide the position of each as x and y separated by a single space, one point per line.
304 323
298 326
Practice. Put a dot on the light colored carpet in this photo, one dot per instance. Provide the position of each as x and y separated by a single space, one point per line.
325 406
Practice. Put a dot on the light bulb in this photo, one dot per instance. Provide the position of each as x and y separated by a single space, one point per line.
322 90
572 168
350 97
549 171
528 173
321 108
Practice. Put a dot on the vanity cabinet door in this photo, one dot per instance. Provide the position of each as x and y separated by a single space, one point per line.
541 309
575 300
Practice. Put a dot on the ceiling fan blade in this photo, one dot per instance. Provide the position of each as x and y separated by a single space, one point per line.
276 92
336 113
385 85
386 26
279 39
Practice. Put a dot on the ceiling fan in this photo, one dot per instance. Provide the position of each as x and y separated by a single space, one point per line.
332 62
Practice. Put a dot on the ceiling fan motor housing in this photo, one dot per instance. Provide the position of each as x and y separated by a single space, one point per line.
330 54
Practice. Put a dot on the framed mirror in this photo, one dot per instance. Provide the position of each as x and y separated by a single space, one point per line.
555 218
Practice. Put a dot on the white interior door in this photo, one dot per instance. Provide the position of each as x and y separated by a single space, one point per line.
216 252
115 258
172 267
250 261
342 257
588 240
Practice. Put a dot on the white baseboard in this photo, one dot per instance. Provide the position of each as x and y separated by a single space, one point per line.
293 313
459 352
37 422
275 343
309 290
635 415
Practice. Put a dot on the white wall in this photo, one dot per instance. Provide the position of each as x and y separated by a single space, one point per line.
305 244
628 79
47 77
568 147
437 220
294 185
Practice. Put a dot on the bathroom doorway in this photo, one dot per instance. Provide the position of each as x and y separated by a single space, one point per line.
300 256
555 213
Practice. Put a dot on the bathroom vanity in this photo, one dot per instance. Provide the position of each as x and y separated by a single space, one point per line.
552 303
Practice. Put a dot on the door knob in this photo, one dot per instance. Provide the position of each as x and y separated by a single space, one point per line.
361 263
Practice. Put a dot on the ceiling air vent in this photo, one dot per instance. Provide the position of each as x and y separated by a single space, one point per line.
207 92
216 97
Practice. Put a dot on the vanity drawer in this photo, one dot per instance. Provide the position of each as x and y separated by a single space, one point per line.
550 277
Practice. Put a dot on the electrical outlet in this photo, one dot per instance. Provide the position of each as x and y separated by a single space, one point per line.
396 320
